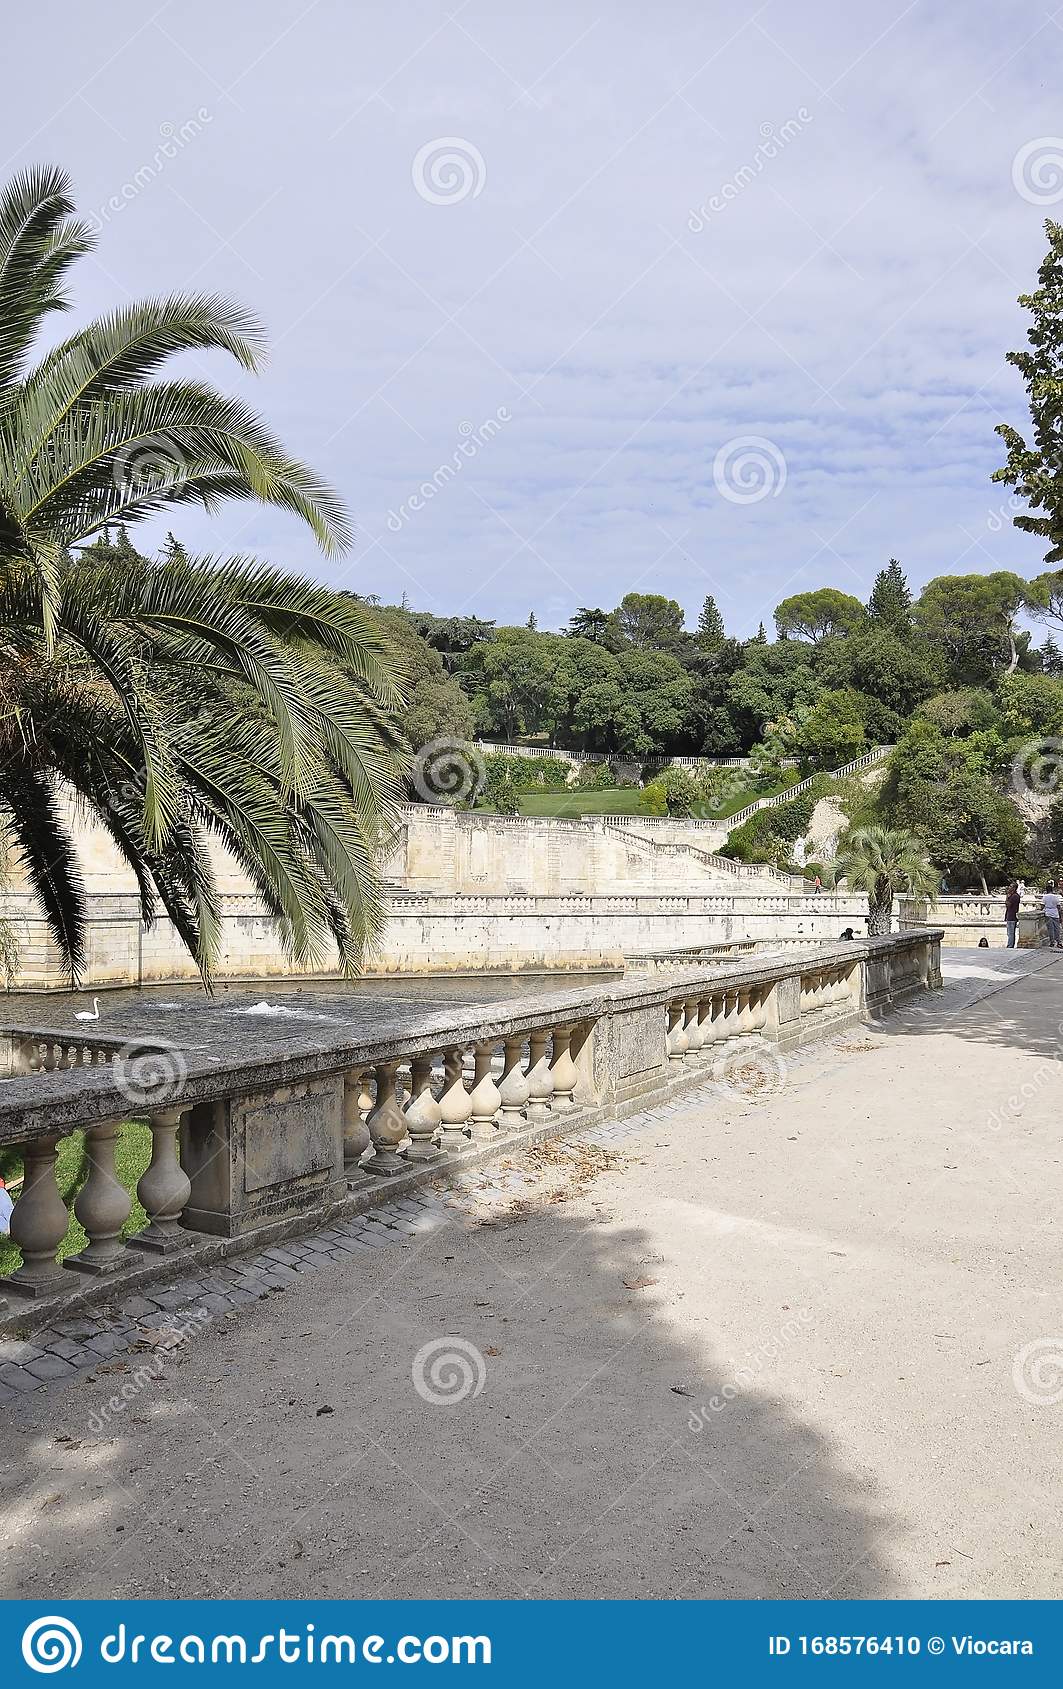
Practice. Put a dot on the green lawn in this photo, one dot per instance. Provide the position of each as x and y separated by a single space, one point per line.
132 1154
622 800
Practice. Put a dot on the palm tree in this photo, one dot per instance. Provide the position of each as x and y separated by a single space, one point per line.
185 700
87 435
884 861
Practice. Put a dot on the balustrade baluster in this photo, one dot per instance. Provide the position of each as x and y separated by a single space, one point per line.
386 1123
455 1104
676 1038
356 1104
39 1222
102 1205
692 1028
423 1116
540 1078
164 1188
563 1068
514 1087
486 1098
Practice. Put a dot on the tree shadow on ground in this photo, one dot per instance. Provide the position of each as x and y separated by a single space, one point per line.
526 1408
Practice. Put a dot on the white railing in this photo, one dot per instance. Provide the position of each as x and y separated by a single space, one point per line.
773 802
493 747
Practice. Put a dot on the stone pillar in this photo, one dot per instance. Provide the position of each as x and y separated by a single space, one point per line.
387 1124
102 1205
677 1038
563 1068
731 1027
455 1104
486 1099
745 1010
38 1224
540 1078
423 1116
356 1139
164 1188
515 1088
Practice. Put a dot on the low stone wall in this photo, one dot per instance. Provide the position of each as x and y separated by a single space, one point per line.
267 1125
967 919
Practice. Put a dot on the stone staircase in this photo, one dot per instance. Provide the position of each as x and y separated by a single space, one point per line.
853 767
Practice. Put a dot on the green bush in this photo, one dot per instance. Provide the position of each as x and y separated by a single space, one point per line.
673 792
524 774
594 776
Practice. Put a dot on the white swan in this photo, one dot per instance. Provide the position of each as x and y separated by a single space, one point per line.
84 1014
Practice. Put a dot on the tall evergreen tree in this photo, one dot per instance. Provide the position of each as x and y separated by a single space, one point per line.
890 604
760 637
1036 472
711 631
1051 658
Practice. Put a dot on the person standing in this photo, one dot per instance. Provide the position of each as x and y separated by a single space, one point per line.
6 1205
1011 912
1051 908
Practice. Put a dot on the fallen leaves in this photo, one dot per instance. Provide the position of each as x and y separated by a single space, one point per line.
639 1283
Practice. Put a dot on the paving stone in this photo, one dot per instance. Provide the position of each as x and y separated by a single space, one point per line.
18 1379
107 1343
216 1302
7 1395
77 1329
18 1352
50 1367
66 1347
137 1306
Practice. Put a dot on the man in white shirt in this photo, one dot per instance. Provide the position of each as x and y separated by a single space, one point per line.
6 1206
1052 907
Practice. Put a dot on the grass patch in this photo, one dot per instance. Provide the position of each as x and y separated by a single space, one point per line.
132 1154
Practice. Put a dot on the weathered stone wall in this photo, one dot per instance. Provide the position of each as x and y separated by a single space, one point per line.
468 892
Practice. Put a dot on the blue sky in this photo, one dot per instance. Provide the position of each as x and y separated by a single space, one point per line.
687 299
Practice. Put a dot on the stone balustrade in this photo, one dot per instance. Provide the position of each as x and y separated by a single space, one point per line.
252 1139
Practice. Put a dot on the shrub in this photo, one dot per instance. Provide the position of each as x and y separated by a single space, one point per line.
524 774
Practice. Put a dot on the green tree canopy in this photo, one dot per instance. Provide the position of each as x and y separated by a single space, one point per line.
815 615
1036 471
649 621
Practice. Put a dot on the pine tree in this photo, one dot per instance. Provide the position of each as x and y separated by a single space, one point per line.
890 604
532 623
1051 658
711 630
1036 472
173 551
760 637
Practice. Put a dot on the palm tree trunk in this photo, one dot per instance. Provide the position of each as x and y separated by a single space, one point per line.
879 916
